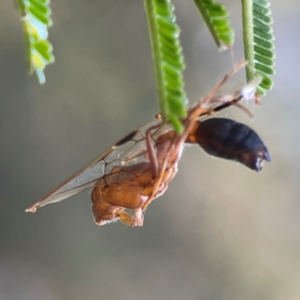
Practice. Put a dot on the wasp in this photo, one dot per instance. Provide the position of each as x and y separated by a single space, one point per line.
138 169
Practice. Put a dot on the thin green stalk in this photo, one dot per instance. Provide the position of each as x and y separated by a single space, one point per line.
168 61
247 14
155 54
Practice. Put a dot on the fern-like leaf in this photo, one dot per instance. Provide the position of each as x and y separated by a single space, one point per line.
215 16
258 42
36 20
168 61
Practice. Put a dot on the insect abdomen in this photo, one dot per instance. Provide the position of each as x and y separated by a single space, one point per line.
230 140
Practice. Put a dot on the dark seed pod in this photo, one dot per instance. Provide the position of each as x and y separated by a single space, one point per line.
230 140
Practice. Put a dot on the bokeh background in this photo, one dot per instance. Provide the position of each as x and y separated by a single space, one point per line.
220 231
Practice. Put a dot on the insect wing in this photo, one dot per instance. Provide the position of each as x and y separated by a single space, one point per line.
128 151
236 90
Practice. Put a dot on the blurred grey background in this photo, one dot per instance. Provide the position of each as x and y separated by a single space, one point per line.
220 231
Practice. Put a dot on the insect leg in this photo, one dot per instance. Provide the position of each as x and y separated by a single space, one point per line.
151 152
157 183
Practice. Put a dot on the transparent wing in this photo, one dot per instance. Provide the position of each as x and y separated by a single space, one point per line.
232 90
128 151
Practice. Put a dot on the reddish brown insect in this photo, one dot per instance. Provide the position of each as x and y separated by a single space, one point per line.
139 167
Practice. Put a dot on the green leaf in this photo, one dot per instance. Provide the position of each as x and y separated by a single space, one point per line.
168 61
36 20
258 42
216 18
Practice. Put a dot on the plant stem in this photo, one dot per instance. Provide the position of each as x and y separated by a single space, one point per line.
149 8
247 13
